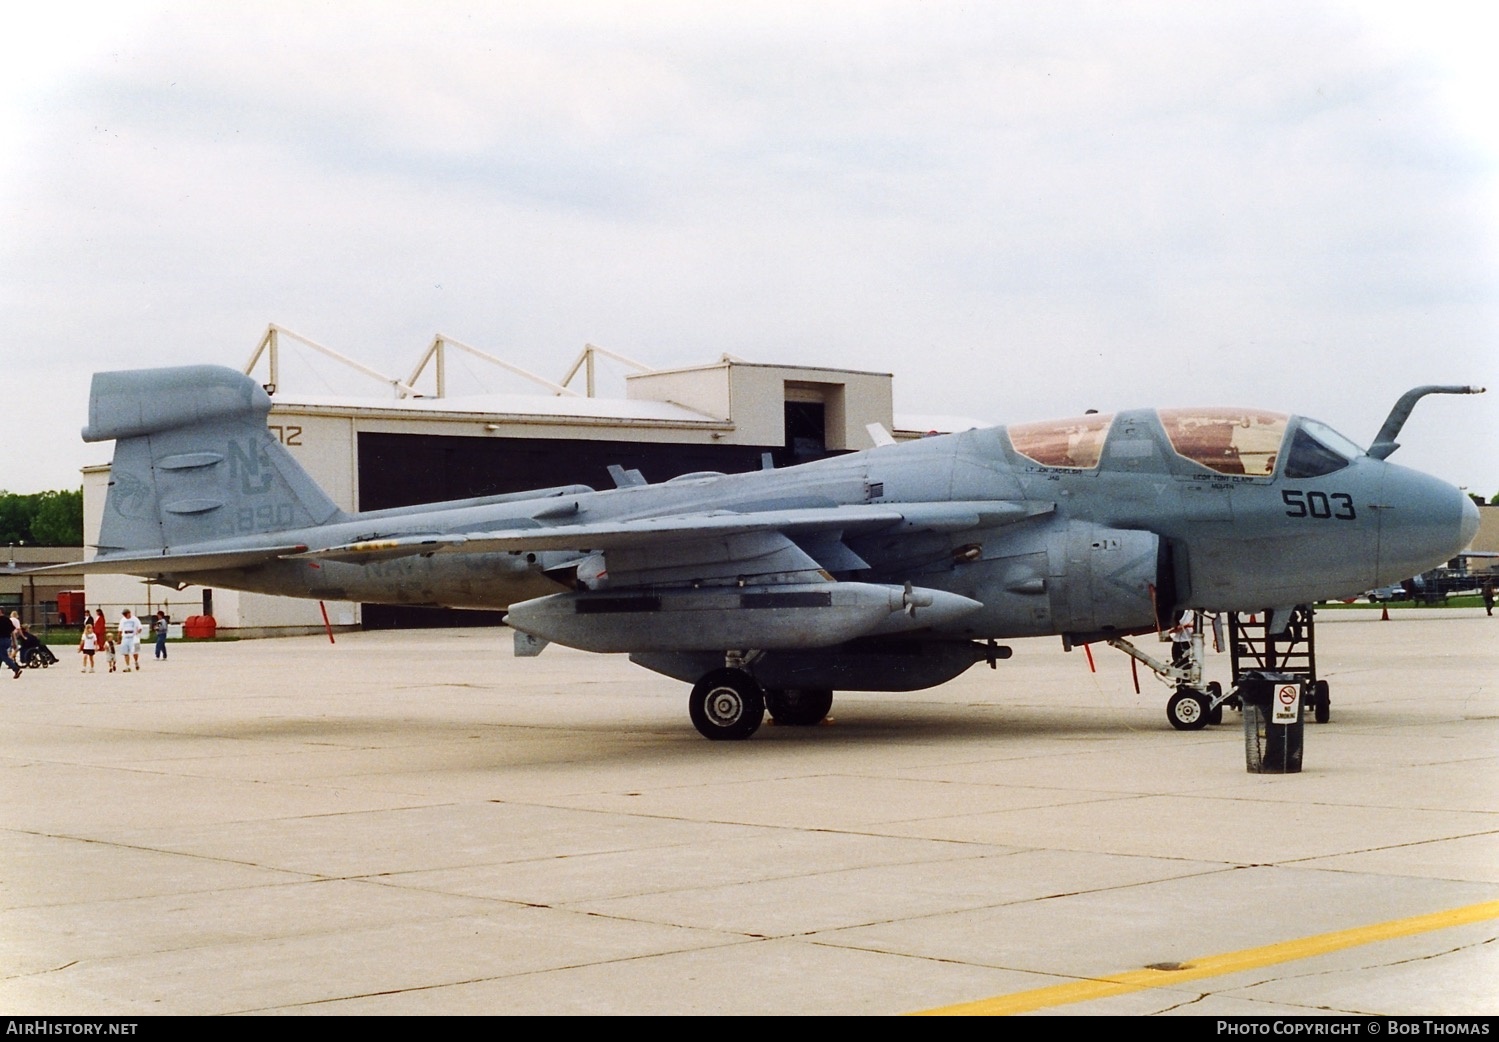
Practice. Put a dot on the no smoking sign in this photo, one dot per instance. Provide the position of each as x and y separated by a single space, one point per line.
1287 703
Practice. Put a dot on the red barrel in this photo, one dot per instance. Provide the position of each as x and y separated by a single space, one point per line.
200 626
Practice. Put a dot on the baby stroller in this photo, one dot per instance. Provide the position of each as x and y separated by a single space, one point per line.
35 654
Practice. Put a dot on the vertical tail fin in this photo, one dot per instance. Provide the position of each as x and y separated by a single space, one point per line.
194 461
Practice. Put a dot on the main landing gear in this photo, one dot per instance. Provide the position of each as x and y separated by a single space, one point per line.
726 705
799 707
729 705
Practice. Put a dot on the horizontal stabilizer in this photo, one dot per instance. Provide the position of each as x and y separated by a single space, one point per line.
167 563
140 402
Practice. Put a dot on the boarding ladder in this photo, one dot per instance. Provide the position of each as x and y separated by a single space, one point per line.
1293 651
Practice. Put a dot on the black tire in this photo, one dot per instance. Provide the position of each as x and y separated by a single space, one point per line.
1215 714
799 707
1321 702
726 705
1187 711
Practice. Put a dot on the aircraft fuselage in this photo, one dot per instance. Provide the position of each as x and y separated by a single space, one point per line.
1087 550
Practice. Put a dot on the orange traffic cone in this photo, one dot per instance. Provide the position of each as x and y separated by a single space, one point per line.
1384 615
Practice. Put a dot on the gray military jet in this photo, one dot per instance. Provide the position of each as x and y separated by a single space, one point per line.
892 569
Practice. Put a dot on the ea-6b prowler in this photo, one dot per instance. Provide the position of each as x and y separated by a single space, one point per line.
891 569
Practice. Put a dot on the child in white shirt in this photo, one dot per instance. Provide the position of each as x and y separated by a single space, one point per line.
86 647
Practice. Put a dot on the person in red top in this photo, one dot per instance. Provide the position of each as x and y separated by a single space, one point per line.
100 627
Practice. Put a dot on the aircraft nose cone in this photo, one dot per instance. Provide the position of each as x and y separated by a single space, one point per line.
1423 523
1469 522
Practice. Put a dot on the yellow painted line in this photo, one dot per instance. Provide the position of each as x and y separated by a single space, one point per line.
1216 965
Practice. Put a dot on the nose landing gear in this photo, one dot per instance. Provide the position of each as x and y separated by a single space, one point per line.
1193 706
1192 710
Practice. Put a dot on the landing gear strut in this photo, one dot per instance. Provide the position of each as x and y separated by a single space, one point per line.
1193 706
1216 702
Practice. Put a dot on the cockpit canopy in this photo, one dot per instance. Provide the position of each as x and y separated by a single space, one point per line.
1076 443
1230 441
1317 449
1238 442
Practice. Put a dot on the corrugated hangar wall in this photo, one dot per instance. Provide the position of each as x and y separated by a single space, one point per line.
403 469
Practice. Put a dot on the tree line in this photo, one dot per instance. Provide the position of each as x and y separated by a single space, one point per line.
41 518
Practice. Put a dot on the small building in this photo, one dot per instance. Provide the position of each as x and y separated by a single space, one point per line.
43 601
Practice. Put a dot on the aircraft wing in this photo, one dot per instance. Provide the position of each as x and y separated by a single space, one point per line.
172 564
716 543
694 581
675 528
643 533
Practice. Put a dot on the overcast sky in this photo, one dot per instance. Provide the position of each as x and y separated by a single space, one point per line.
1021 210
